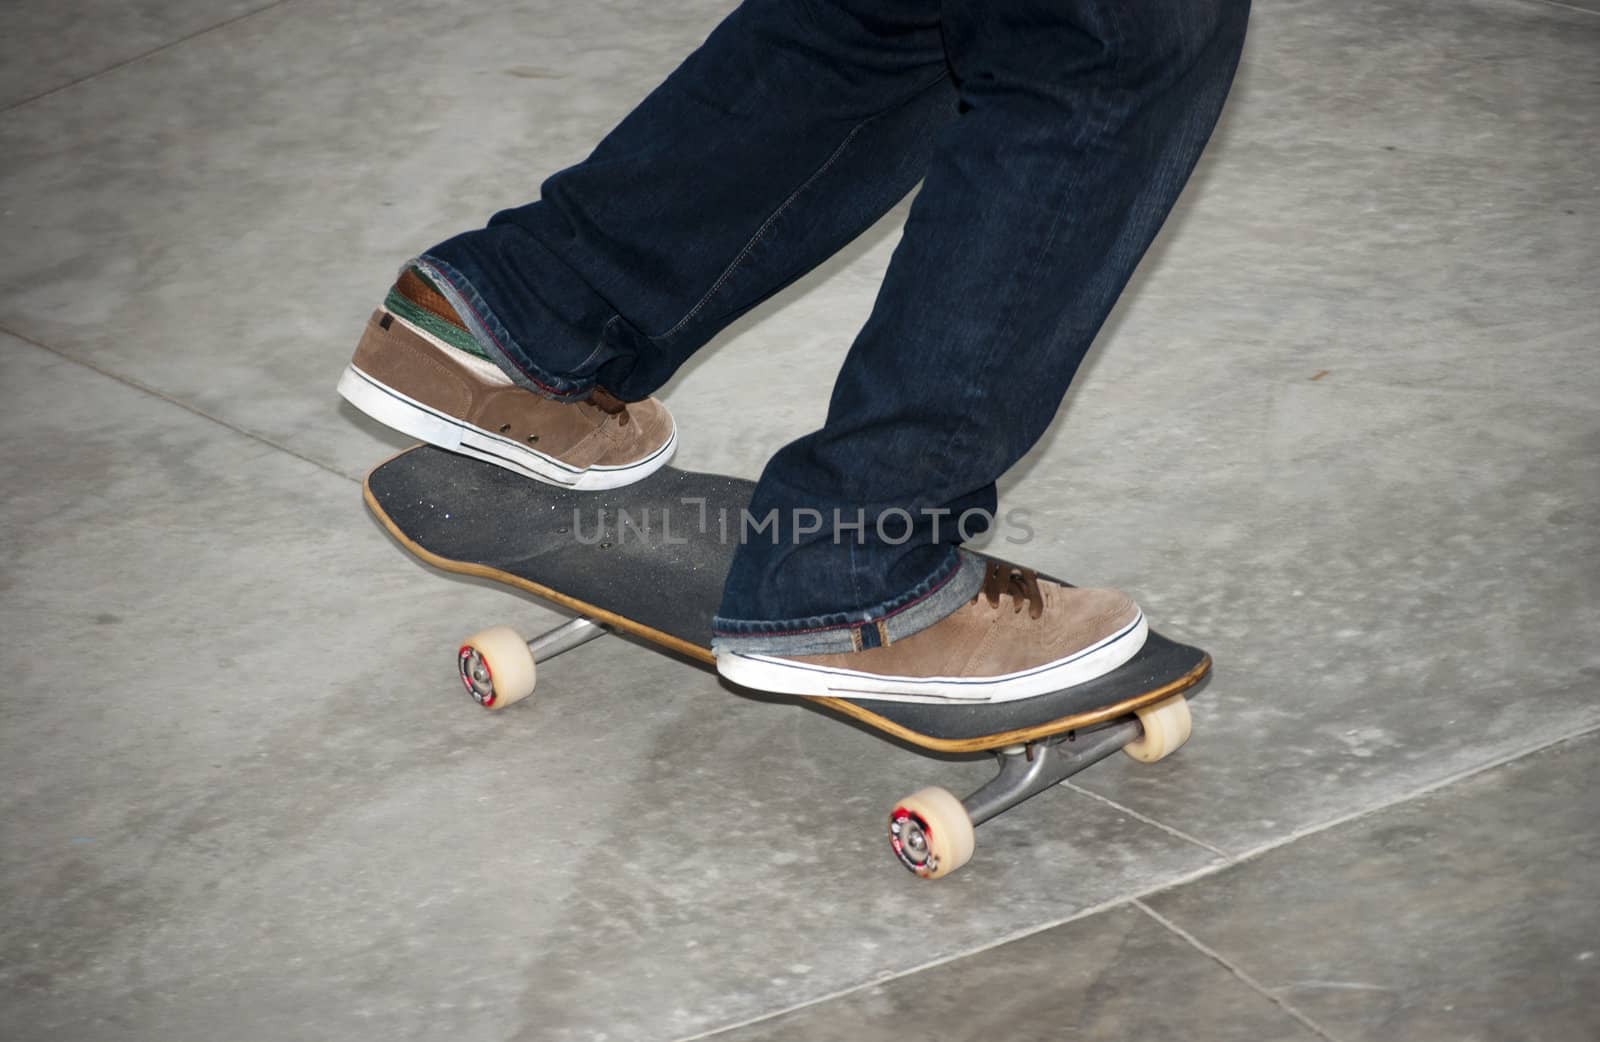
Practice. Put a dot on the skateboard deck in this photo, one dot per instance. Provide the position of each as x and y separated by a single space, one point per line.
649 560
635 559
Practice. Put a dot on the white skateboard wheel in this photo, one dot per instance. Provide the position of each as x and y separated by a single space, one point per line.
496 667
1166 727
931 833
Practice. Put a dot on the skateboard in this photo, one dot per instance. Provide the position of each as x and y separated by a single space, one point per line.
648 560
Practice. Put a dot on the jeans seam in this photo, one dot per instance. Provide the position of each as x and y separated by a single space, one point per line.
761 231
600 341
963 432
778 212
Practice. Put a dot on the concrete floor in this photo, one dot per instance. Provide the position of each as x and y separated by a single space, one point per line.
1343 431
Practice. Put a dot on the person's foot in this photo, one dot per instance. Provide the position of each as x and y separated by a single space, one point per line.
1020 636
420 371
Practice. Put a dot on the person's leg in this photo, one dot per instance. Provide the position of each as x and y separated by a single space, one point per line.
535 342
784 136
1080 123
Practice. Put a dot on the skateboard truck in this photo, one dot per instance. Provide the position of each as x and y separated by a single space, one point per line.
931 831
499 668
1027 770
565 637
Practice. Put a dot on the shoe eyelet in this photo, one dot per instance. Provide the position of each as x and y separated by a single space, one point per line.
504 427
532 438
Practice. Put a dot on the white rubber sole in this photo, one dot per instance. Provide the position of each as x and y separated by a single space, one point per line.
409 416
789 677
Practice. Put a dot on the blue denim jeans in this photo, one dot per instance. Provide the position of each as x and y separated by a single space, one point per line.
1051 138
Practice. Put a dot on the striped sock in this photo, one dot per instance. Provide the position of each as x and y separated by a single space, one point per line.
416 299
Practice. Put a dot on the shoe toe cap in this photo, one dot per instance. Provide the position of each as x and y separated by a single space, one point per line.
648 430
654 422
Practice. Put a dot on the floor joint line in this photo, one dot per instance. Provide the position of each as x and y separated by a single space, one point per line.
143 388
1083 913
124 63
1243 977
1568 7
1532 748
1137 898
1152 822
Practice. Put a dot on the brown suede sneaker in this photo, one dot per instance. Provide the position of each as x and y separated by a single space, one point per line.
1020 636
415 370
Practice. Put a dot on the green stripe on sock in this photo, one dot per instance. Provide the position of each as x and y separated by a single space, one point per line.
422 318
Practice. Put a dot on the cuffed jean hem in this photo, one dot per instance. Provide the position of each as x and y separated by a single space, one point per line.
493 337
930 601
